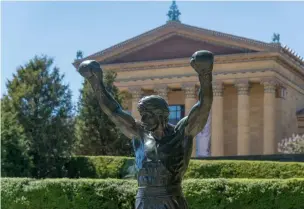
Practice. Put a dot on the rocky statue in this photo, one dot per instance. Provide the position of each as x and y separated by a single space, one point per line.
162 150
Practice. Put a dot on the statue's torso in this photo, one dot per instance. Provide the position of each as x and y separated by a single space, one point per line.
161 166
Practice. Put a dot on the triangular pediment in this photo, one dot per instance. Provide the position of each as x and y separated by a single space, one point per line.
176 40
173 47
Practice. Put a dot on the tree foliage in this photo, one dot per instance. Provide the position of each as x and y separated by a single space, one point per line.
39 108
15 159
96 133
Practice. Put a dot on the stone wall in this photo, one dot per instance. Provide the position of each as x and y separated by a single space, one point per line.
289 108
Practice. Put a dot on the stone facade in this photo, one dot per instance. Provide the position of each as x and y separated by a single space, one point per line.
258 87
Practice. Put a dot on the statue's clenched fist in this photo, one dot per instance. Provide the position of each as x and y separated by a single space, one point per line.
90 68
202 62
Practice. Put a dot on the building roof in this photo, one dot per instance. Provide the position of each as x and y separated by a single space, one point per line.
176 28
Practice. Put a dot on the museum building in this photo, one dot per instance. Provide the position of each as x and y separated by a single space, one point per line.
258 87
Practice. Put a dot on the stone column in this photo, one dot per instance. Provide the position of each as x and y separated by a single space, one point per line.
190 101
269 116
217 120
243 129
136 96
162 90
190 96
279 114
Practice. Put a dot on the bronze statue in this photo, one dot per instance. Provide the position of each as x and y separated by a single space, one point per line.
162 150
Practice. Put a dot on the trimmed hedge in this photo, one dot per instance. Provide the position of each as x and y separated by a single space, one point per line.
122 167
119 194
244 169
98 167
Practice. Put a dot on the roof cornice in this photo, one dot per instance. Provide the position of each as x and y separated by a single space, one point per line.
219 59
177 28
279 77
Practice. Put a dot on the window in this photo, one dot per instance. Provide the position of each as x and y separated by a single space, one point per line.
177 112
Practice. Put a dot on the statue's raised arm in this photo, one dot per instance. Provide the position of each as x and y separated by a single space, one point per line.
92 71
202 62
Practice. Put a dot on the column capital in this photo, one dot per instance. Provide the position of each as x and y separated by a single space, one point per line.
242 86
136 92
217 87
162 90
190 90
270 84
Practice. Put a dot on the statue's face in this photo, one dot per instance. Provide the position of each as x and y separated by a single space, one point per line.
150 120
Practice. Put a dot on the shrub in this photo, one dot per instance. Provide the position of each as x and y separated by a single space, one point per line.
120 167
292 145
15 158
98 167
244 169
119 194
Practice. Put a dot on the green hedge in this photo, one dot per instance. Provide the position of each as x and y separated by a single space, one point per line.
244 169
99 167
121 167
119 194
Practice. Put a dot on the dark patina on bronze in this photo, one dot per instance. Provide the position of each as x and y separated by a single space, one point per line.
162 150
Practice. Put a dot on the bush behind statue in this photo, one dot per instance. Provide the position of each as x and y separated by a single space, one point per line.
122 167
292 145
113 193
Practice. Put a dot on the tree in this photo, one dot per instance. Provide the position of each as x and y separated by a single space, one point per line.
96 134
43 108
15 159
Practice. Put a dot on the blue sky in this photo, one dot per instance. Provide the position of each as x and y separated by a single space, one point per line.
59 29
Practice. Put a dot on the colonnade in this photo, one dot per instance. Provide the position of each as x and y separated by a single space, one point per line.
270 103
243 113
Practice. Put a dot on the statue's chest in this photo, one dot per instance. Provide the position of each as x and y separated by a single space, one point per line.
151 148
148 149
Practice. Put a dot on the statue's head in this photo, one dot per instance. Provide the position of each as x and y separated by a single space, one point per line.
154 112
